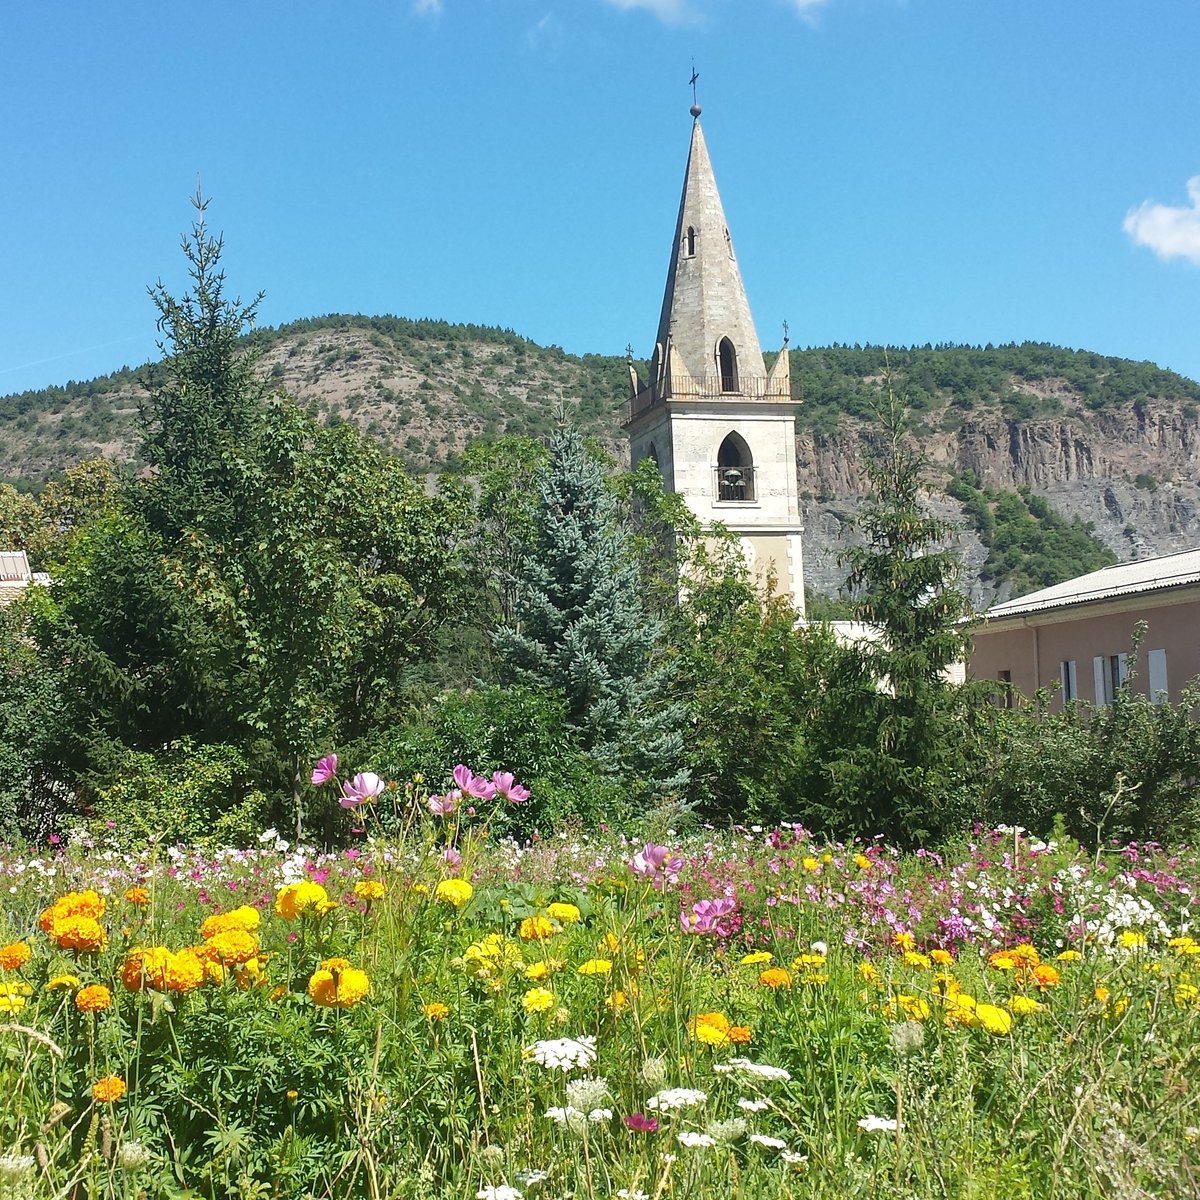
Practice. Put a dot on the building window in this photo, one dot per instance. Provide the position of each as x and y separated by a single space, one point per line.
1157 663
1069 680
727 365
689 242
735 470
1006 689
1109 673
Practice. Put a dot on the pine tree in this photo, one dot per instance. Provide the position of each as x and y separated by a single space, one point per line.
581 628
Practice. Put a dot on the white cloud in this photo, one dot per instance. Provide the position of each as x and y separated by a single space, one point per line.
670 12
806 8
427 7
1170 231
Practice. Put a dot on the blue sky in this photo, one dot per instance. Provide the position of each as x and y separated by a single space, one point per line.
892 170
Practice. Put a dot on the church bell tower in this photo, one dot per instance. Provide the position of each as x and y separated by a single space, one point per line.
720 426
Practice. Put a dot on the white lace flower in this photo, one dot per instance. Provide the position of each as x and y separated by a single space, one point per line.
563 1054
695 1141
670 1098
878 1124
770 1143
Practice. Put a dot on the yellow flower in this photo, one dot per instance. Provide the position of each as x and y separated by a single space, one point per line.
1024 1006
1002 962
369 889
913 1007
903 940
1025 955
811 865
435 1010
563 913
808 961
862 862
535 929
868 971
616 1001
543 969
108 1089
943 958
457 892
245 918
94 998
757 958
1069 956
1186 993
595 966
15 955
232 946
185 971
774 978
162 969
292 1094
537 1000
491 958
336 984
609 943
959 1010
62 981
11 998
293 900
250 973
137 896
913 959
1130 939
711 1028
993 1020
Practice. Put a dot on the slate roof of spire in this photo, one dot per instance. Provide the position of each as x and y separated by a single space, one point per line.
705 299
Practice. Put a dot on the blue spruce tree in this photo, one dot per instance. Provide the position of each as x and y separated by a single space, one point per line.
580 628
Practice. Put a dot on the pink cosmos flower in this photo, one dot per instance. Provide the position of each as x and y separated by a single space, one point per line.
708 916
656 864
508 789
443 806
325 770
471 784
452 858
640 1123
366 785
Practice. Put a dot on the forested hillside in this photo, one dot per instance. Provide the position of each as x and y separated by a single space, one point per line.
1088 458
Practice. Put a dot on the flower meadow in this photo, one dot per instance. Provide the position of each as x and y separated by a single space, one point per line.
434 1013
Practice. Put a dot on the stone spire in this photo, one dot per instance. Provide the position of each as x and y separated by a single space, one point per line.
706 341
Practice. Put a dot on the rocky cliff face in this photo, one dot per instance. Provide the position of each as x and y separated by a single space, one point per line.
1134 474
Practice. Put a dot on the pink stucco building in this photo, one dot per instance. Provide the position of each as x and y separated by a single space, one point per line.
1077 634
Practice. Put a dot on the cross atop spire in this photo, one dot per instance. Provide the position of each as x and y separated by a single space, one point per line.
695 103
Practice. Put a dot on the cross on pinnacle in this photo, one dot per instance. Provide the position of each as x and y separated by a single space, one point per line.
692 81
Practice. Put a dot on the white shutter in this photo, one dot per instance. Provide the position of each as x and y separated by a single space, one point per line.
1158 676
1100 675
1122 669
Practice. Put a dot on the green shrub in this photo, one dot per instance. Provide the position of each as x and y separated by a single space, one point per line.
502 729
183 793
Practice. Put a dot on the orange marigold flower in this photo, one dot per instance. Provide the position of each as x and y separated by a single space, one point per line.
369 889
435 1010
775 977
83 934
740 1035
15 955
295 899
137 896
93 998
942 958
1025 955
108 1089
74 904
185 971
535 929
1045 976
336 984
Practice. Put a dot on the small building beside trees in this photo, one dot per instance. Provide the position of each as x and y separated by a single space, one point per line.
1080 634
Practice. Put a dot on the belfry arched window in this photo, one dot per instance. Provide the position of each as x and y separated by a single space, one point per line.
689 241
735 469
727 365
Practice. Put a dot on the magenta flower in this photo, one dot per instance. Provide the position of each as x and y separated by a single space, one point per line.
366 785
656 864
508 789
708 916
471 784
325 770
443 806
452 858
640 1123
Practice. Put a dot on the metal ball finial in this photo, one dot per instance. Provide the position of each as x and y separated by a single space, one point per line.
694 110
